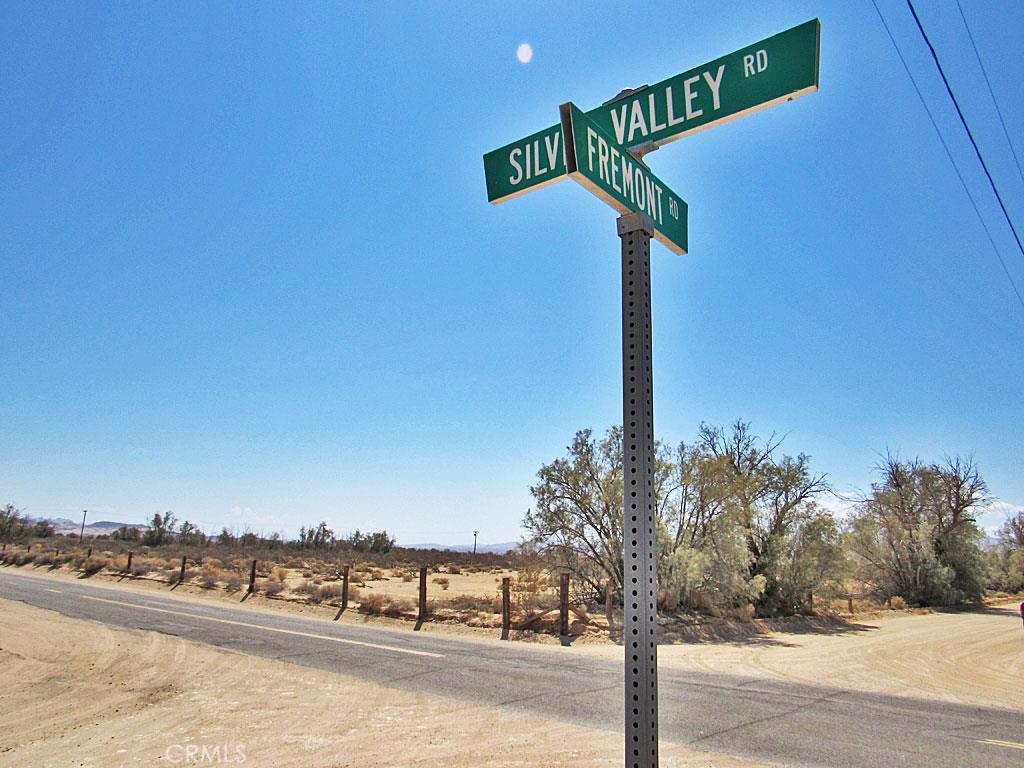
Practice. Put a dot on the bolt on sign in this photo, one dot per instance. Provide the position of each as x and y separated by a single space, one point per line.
777 69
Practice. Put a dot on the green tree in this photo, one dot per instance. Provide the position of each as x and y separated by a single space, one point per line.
916 536
126 533
190 535
14 526
319 537
577 517
160 530
1009 555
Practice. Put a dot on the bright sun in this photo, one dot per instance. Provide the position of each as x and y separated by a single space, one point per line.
524 53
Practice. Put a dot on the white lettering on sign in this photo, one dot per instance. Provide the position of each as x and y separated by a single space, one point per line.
537 169
551 143
715 83
690 95
639 188
527 161
513 160
615 170
634 120
637 122
755 63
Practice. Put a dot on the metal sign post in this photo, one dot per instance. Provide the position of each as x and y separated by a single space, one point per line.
640 574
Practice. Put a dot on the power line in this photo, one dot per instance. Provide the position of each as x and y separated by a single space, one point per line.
988 83
949 155
963 120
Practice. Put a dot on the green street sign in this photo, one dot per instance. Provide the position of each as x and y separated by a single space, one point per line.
525 165
777 69
595 160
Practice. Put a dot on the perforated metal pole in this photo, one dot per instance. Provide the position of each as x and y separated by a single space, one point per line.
640 575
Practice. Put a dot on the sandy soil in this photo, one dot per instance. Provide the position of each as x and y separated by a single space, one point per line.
484 584
82 694
974 657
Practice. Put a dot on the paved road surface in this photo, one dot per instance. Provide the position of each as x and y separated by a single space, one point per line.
791 724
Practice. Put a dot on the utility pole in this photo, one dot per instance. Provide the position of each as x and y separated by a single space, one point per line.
81 533
474 541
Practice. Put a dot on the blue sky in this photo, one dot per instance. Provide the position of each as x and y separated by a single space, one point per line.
250 274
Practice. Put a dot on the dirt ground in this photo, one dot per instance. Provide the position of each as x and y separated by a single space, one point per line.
83 694
972 657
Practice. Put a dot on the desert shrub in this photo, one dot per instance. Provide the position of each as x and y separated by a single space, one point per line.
528 588
407 576
307 573
144 565
171 574
273 586
377 574
396 608
209 577
372 603
317 593
93 565
329 592
44 558
279 573
897 603
474 603
452 568
233 582
442 581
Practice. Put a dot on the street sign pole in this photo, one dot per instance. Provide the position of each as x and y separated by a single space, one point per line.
602 150
640 575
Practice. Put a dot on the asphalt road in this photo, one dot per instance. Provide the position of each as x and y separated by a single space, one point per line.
786 723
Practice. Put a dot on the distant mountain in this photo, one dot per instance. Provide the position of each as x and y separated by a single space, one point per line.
108 525
63 525
55 521
490 548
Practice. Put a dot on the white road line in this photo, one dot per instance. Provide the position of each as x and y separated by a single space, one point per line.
47 589
346 641
1000 743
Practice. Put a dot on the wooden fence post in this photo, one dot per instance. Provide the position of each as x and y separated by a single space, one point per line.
128 568
422 613
344 587
89 553
181 574
252 578
608 614
506 608
849 604
563 605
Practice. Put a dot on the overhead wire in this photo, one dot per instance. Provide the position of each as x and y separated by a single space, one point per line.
949 155
967 128
988 84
